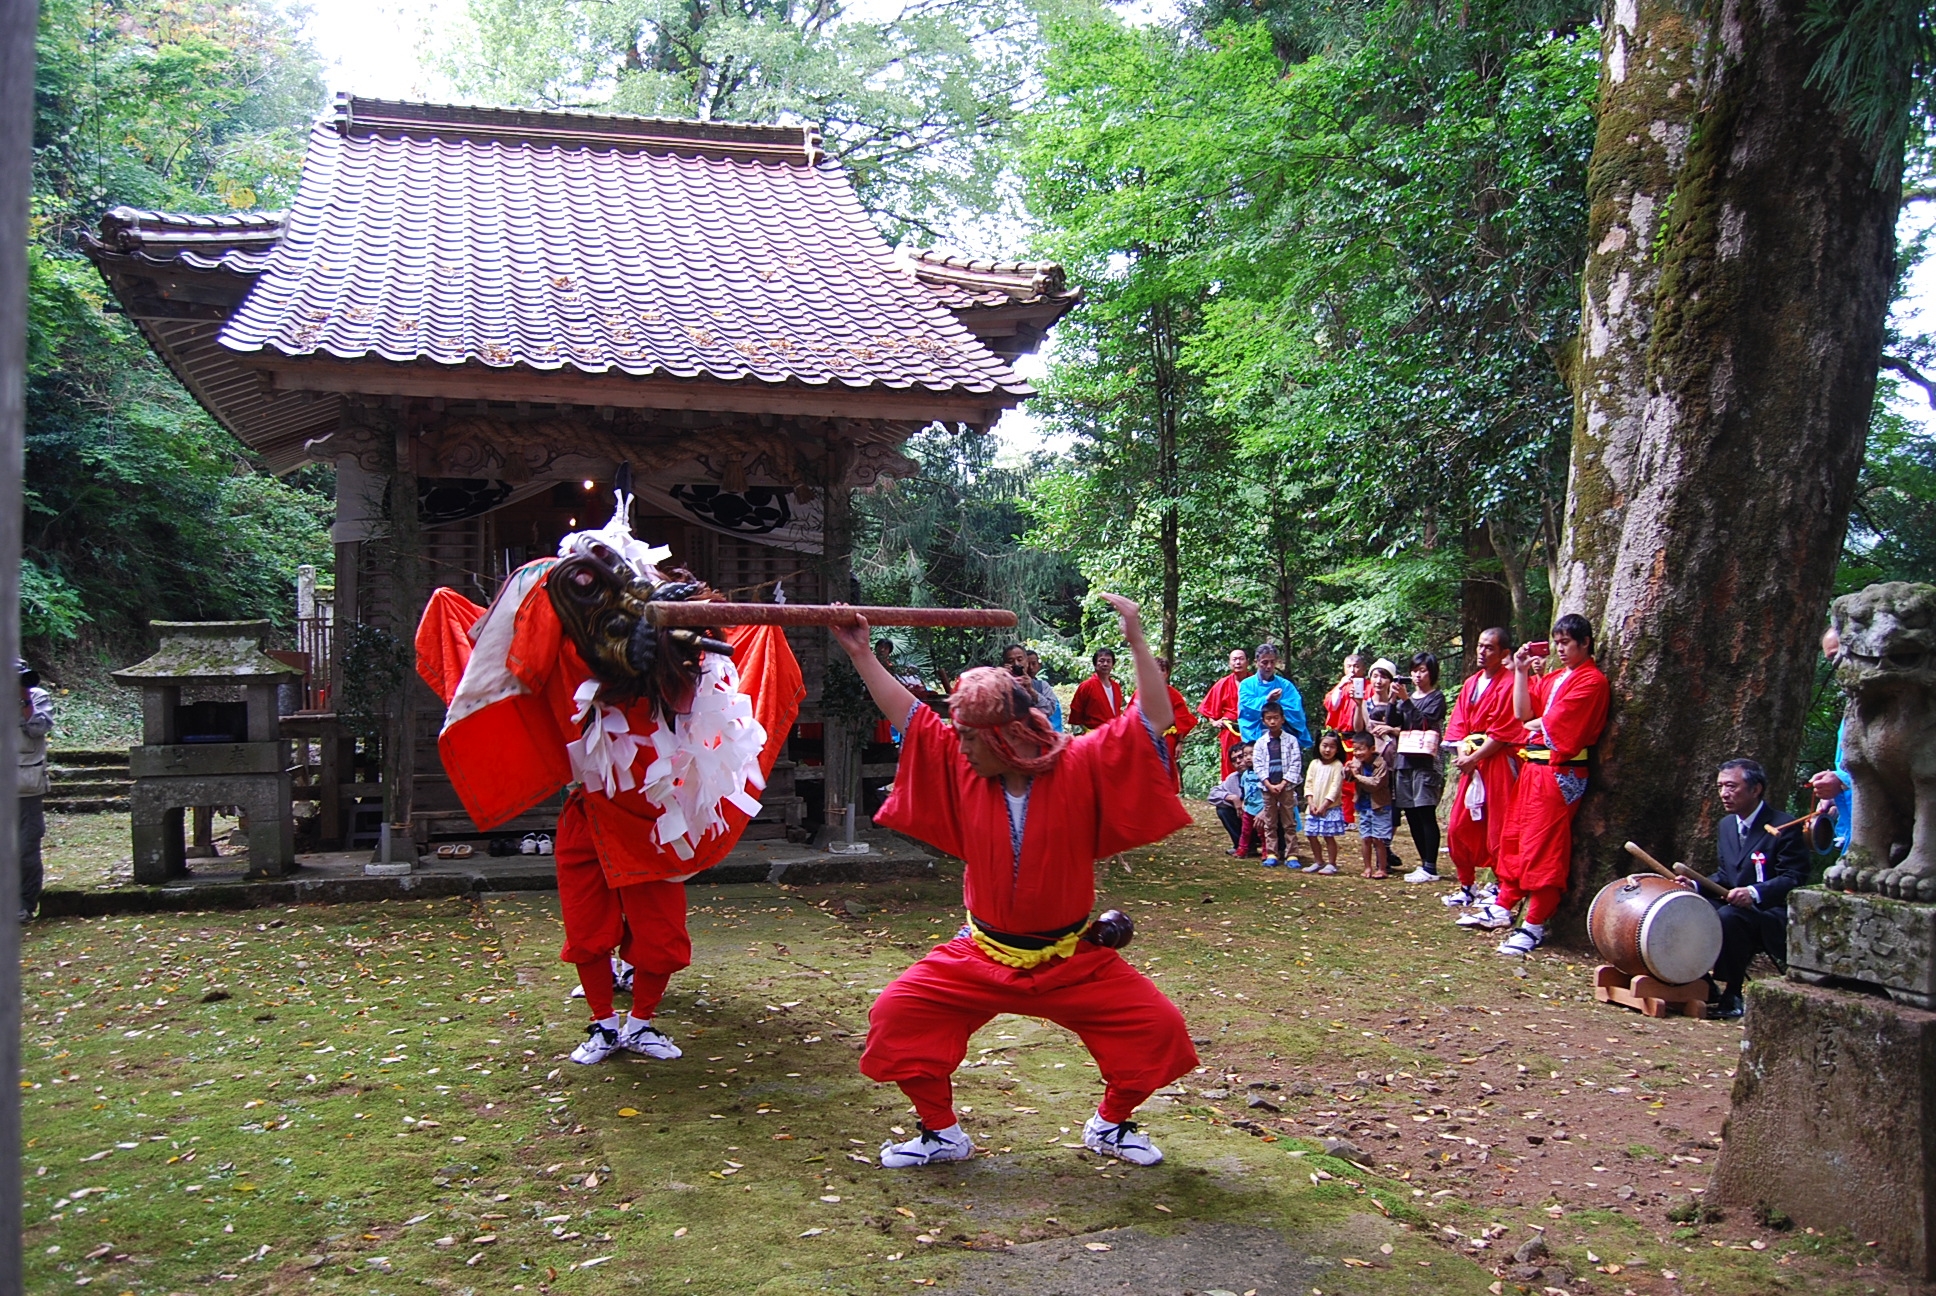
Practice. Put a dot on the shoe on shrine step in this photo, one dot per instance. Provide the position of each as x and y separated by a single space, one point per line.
1124 1142
928 1147
637 1036
601 1041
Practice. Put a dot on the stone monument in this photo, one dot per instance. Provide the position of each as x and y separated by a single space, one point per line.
210 752
1834 1106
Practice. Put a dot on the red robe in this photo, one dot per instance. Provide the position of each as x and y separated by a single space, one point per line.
1341 713
509 755
1179 729
1220 704
1109 792
1476 844
1092 707
1573 710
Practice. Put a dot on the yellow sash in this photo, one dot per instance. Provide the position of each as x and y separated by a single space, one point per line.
1021 959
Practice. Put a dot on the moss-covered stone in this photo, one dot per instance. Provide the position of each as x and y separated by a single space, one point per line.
1834 1120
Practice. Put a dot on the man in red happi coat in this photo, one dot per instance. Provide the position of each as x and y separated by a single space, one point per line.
1219 707
1564 715
1029 811
1341 715
1184 724
1485 733
1098 699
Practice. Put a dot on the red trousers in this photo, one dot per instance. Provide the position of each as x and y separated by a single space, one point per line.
919 1027
1478 844
1539 839
645 922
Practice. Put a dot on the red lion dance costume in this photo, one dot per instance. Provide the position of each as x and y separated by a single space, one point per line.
665 739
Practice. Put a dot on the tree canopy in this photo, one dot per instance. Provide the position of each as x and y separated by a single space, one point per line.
138 506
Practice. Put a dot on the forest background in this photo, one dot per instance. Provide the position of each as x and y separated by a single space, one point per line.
1317 393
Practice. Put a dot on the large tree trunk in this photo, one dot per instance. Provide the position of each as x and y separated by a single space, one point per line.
1734 301
1484 603
1163 347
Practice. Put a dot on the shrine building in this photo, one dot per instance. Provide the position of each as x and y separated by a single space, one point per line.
487 310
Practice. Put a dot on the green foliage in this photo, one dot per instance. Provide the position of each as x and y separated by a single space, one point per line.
138 506
1369 258
950 536
917 106
374 666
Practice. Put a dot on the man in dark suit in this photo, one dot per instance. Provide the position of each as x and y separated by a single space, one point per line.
1758 867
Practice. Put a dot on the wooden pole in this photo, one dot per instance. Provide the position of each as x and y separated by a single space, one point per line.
699 613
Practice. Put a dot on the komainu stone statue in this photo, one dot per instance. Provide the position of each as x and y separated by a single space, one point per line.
1888 670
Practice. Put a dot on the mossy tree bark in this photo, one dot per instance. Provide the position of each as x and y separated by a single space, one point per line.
1739 274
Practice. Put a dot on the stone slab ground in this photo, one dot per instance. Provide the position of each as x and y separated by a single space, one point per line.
372 1098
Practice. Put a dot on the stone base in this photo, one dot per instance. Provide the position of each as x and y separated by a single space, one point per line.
1869 941
1834 1118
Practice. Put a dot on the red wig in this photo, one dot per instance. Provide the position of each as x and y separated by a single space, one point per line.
1003 707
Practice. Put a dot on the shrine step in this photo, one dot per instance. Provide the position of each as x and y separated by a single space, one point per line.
88 782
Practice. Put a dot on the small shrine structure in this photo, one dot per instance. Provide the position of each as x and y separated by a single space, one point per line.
475 314
209 751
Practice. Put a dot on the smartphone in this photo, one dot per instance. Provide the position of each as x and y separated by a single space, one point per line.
1357 688
1540 648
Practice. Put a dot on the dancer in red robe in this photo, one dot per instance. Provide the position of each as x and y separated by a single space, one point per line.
544 691
1484 732
1219 707
1564 715
1098 699
1029 811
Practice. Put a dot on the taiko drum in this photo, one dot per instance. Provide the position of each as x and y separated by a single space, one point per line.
1645 924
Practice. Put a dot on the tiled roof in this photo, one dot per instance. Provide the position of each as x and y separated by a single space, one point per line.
487 237
241 243
963 283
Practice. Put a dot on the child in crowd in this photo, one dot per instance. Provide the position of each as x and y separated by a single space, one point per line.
1371 768
1324 804
1276 760
1239 799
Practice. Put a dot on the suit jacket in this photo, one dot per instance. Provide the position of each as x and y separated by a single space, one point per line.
1783 862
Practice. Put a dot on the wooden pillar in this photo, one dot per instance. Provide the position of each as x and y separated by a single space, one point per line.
842 745
406 602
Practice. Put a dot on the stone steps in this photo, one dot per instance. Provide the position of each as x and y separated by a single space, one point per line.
88 781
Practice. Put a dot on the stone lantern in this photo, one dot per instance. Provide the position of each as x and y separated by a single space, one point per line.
210 752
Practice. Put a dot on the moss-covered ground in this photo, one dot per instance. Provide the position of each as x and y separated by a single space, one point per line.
375 1099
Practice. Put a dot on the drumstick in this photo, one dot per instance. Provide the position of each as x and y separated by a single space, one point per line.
700 613
1810 817
1652 863
1678 872
1708 885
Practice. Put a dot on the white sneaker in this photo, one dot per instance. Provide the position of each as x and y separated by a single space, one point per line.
1421 874
601 1042
1462 898
637 1036
928 1147
1487 893
1520 943
528 844
1124 1141
622 974
1487 917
